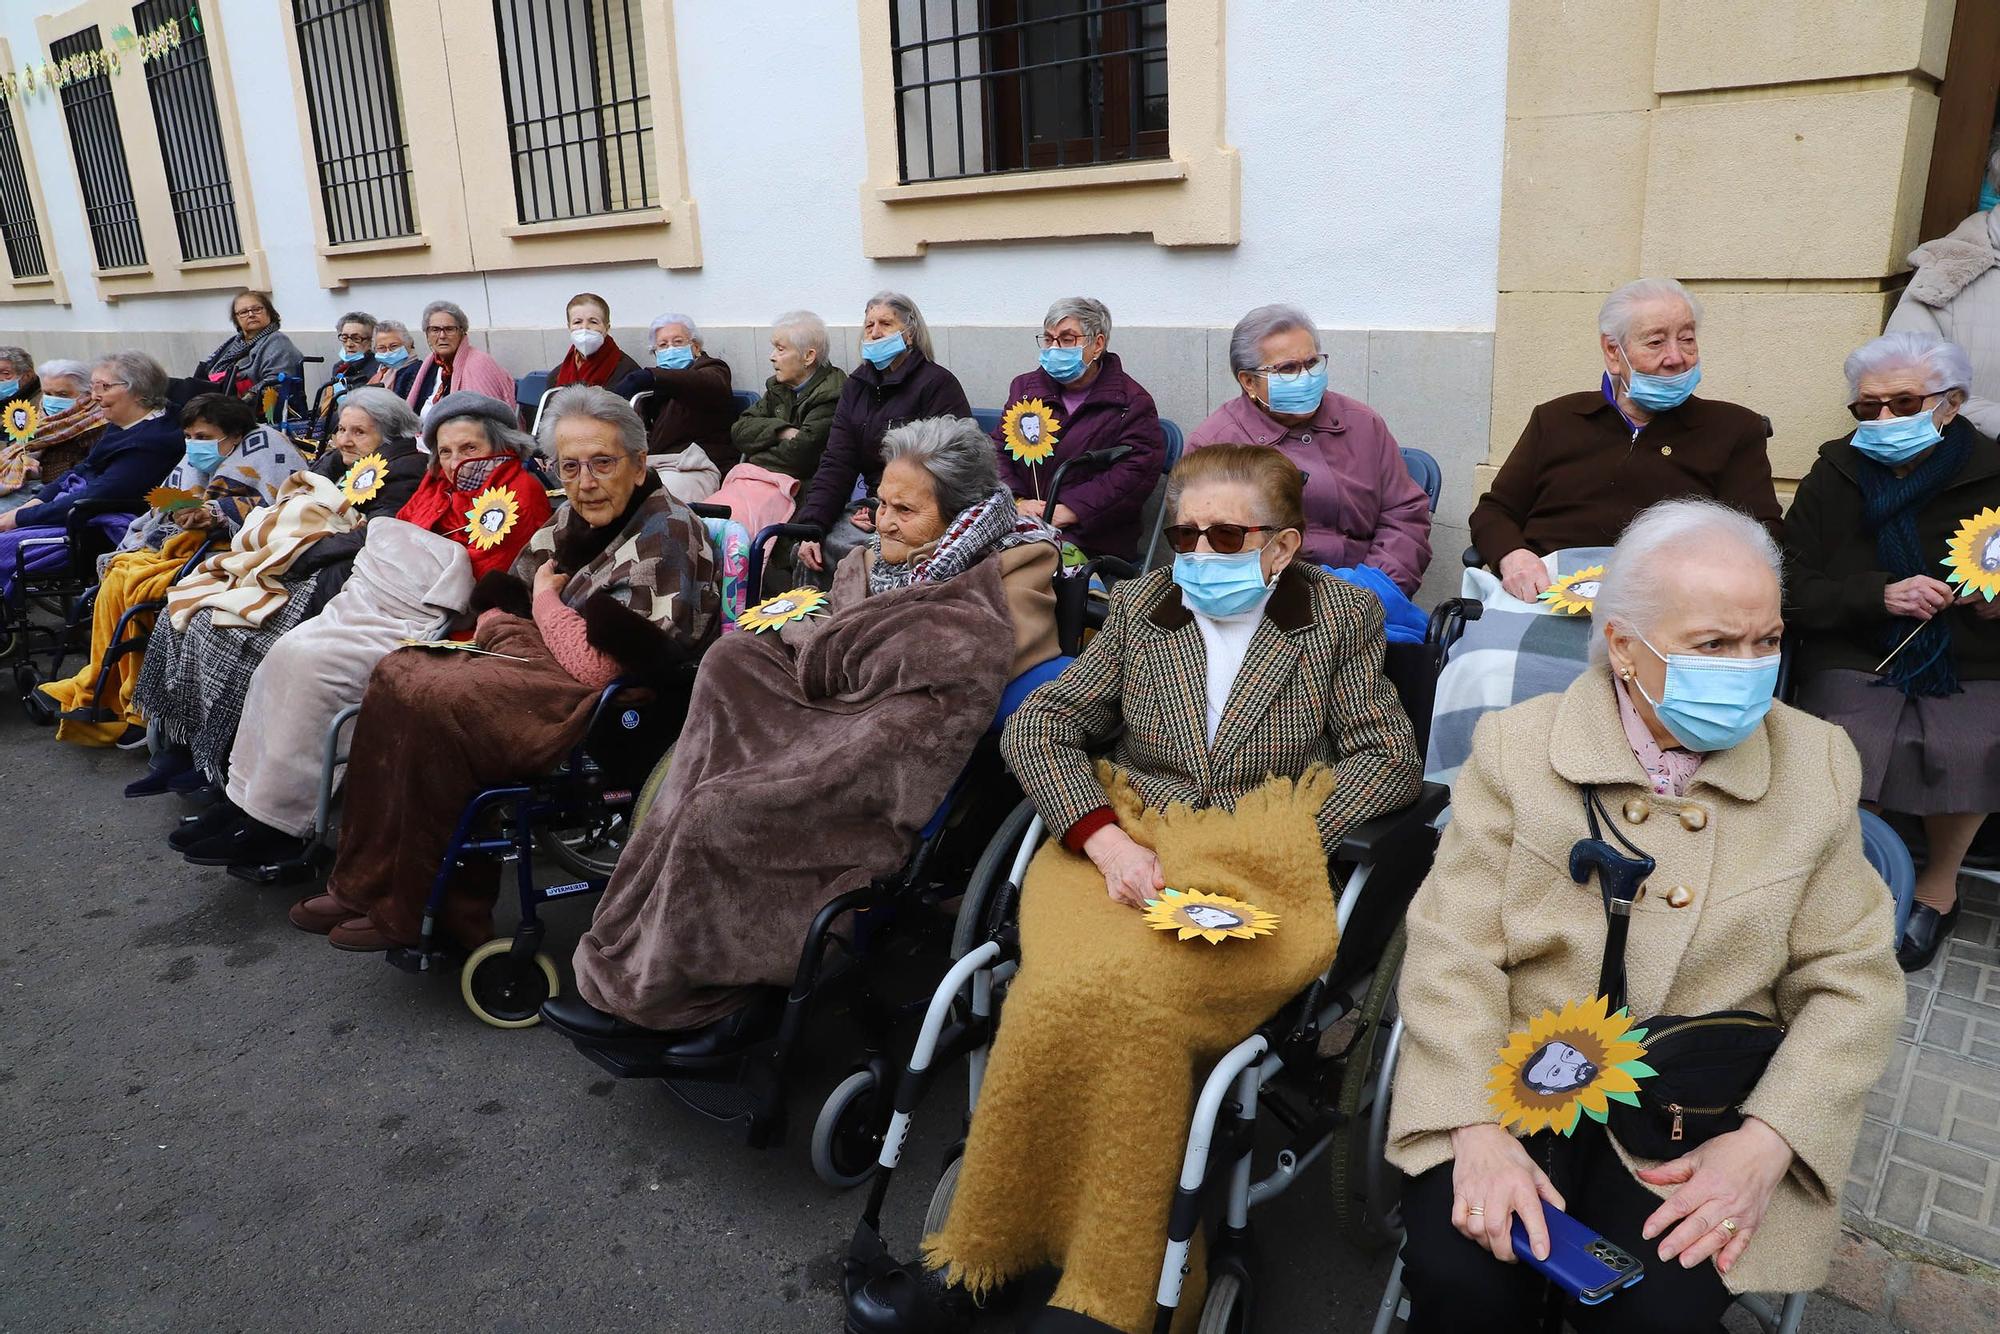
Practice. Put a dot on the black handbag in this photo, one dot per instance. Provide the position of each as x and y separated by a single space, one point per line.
1706 1065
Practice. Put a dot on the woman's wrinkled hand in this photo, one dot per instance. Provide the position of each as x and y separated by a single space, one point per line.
863 518
1131 871
1523 574
200 517
1032 508
1984 610
549 579
809 556
1918 597
1492 1174
1731 1177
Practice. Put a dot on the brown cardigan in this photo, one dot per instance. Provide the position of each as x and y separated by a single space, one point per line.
695 407
1577 475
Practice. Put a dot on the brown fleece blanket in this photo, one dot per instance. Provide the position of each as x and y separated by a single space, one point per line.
808 766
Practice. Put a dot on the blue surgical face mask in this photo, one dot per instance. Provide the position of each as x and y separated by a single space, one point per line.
350 357
54 403
1063 364
674 358
881 351
1657 393
1218 585
1713 703
1988 197
1296 395
204 455
1894 441
9 388
394 357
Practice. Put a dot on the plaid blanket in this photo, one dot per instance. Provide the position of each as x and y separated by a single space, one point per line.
1514 651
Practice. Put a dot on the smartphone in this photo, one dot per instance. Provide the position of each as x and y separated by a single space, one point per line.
1580 1262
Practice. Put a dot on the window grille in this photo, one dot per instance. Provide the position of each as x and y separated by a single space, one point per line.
579 109
354 102
99 150
182 87
989 86
17 211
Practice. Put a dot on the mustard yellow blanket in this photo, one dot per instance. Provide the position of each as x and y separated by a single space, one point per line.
131 578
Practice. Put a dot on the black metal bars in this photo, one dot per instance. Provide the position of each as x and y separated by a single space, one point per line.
99 149
18 229
181 85
354 103
579 108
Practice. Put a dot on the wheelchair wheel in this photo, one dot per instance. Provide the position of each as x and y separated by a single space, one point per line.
1226 1307
941 1198
504 990
589 846
651 791
1364 1193
33 703
993 865
847 1137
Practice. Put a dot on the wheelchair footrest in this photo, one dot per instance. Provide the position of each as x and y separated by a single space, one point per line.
86 715
296 871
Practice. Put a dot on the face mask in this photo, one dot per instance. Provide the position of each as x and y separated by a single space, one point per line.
1296 395
1218 585
1063 364
882 351
1898 439
9 388
586 341
394 357
351 357
204 455
1988 197
1713 703
472 475
674 358
54 403
1657 393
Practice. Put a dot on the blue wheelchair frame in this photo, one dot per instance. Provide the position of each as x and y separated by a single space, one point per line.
66 591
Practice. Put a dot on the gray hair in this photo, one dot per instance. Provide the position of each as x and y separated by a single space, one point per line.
63 368
958 456
144 378
500 421
915 332
1642 569
1945 365
360 317
803 331
17 357
391 415
1251 331
398 328
587 400
451 308
1091 314
694 330
1615 316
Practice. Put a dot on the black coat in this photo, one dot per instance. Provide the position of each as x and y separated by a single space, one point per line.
872 403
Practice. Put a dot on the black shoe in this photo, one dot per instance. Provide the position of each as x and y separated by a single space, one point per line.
217 819
730 1034
132 738
192 782
245 843
909 1300
579 1019
166 766
1925 936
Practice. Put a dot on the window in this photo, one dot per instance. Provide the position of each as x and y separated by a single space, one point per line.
990 86
99 149
355 106
18 228
190 137
579 110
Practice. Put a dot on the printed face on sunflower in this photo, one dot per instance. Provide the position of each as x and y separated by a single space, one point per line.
1210 919
1558 1068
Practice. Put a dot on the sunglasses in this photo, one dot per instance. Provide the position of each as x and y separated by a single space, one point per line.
1902 405
1225 538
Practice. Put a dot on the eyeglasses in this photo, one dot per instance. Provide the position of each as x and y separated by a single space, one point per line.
1306 367
1899 405
440 330
105 386
352 340
1061 340
1225 538
600 465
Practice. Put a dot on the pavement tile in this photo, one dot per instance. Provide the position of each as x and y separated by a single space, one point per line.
1868 1150
1924 1106
1978 1107
1971 1238
1972 1168
1904 1191
1946 1029
1968 1202
1972 1135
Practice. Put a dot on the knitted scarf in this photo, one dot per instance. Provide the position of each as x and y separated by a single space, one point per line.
1889 506
594 369
991 525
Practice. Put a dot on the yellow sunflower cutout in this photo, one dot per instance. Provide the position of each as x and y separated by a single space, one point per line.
168 499
23 418
1568 1064
1974 562
492 516
1030 429
771 613
1574 594
365 480
1213 917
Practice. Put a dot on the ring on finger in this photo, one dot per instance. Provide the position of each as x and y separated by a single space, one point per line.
1476 1210
1728 1225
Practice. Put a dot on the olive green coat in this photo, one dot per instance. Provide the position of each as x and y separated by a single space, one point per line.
809 407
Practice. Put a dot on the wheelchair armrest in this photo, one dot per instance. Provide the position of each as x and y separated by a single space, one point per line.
1094 458
1117 569
797 532
1373 840
1471 559
708 511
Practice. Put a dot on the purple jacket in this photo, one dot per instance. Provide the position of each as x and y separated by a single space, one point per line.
1106 501
872 403
1362 508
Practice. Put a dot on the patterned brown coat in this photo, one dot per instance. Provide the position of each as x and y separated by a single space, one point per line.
1310 692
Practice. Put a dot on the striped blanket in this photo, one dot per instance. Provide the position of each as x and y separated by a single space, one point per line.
243 586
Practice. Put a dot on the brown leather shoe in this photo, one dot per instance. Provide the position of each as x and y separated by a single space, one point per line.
361 936
319 914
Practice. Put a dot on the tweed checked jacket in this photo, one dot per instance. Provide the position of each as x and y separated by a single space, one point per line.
1310 692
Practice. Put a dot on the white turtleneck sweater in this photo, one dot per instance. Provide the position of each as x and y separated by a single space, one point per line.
1227 639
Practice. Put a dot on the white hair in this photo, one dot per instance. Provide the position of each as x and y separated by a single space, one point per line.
1615 316
1944 365
451 308
957 454
1093 315
653 331
399 329
63 368
587 400
802 331
915 332
1251 331
1640 573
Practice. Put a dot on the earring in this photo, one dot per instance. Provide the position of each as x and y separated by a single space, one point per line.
1626 676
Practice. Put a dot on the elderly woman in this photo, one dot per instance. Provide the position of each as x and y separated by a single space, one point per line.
950 598
232 465
1905 661
355 367
1093 404
70 425
396 362
899 382
691 403
786 430
253 361
478 449
1362 508
1756 901
1239 703
1589 461
594 357
454 366
17 377
624 584
1955 296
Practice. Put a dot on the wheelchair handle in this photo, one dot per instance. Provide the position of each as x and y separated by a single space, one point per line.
797 532
1095 458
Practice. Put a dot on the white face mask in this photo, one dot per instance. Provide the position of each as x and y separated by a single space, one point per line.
586 341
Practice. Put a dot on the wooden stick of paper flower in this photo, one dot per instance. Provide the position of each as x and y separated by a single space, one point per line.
1900 647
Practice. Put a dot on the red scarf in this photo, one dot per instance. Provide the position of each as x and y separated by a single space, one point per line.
440 508
593 369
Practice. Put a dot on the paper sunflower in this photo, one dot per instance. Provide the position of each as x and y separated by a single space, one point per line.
23 417
1213 917
1030 429
492 516
1574 594
1974 562
1568 1064
365 479
771 613
167 499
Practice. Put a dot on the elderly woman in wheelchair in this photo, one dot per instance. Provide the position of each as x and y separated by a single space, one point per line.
620 584
1735 921
896 677
1249 726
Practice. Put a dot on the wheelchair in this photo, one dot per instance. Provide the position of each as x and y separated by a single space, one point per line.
46 612
1316 1067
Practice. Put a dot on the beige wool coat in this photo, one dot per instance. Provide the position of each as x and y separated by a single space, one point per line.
1782 915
